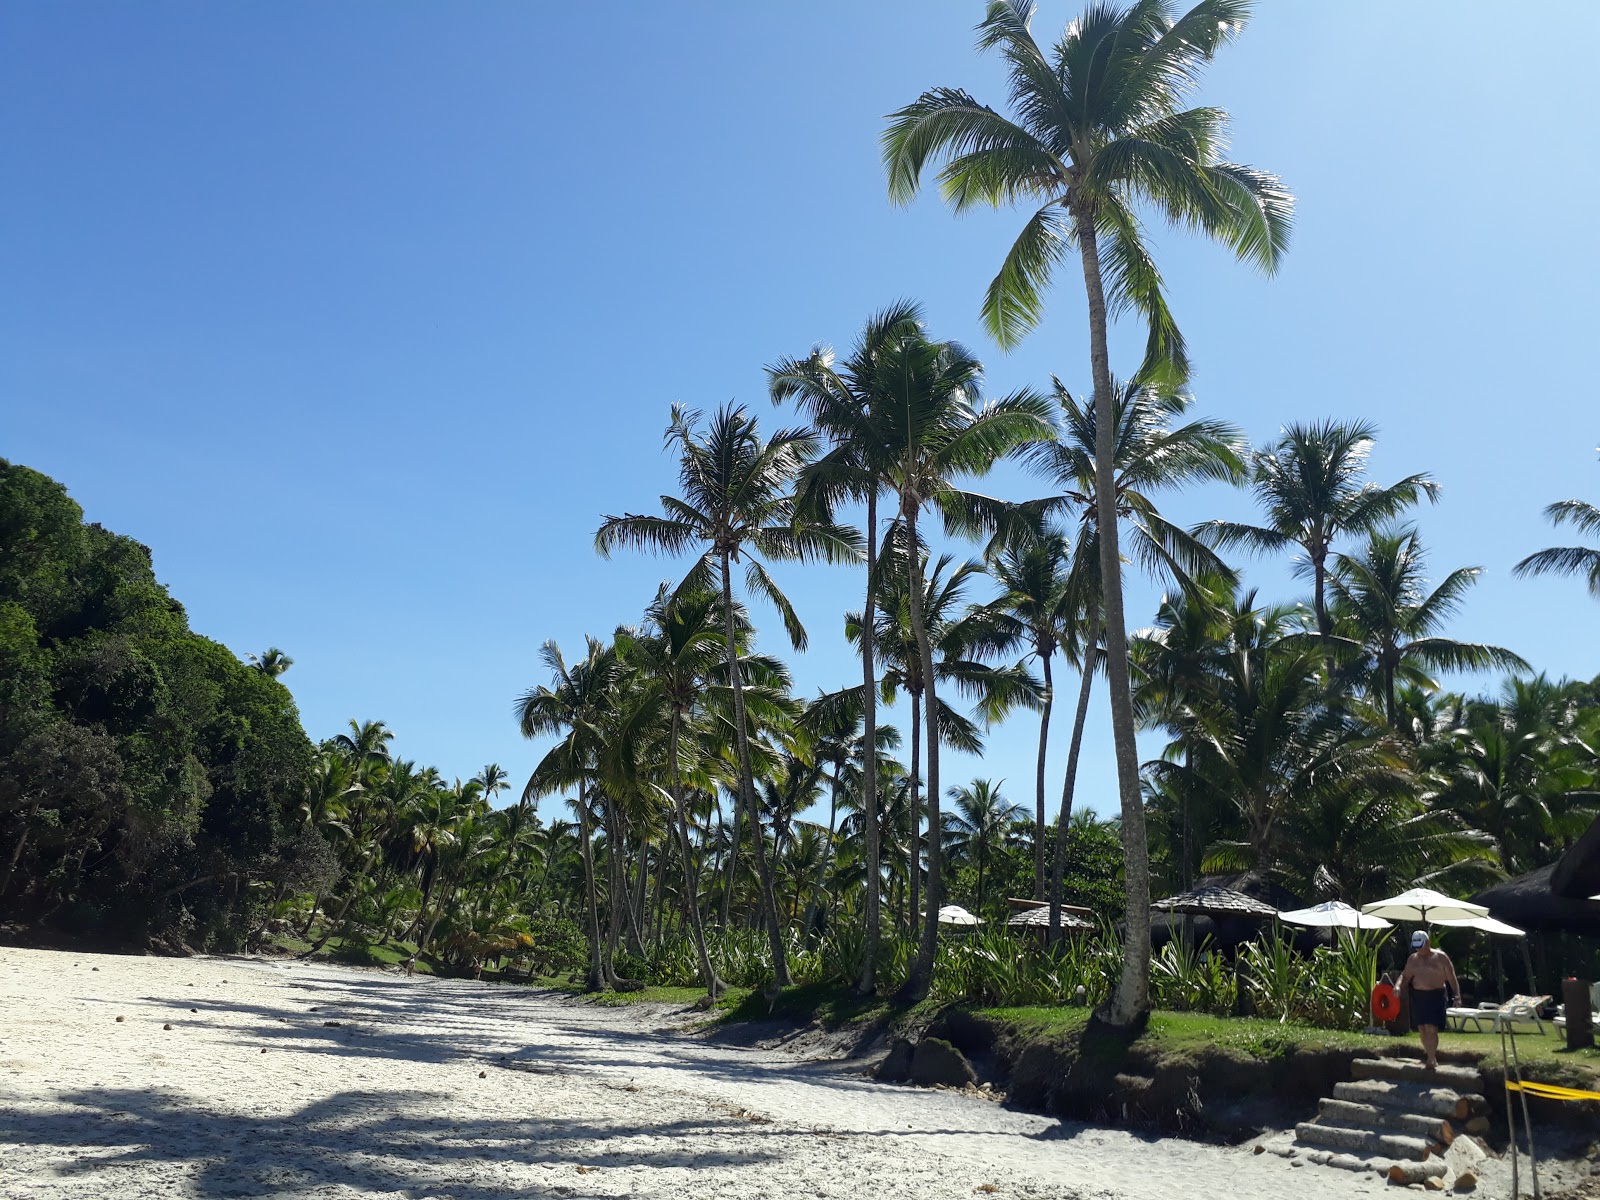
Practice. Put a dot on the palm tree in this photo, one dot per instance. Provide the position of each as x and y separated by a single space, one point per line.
1036 607
960 634
1521 769
1382 603
845 401
738 503
1312 485
1099 131
1152 447
982 816
491 781
575 703
937 432
1568 560
271 664
684 656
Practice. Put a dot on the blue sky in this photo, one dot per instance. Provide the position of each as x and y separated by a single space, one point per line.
361 315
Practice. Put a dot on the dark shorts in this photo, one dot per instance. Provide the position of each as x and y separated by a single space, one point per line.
1427 1007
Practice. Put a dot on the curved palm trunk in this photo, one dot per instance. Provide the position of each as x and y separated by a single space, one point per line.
872 916
1131 1000
1058 869
691 881
769 900
914 816
593 981
921 977
1039 834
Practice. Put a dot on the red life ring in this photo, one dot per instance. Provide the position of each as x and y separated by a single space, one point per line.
1385 1002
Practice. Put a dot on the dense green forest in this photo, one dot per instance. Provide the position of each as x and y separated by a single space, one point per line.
694 821
148 778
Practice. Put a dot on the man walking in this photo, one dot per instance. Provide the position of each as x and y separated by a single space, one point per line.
1429 972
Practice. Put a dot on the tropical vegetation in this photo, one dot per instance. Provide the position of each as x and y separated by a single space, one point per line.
693 820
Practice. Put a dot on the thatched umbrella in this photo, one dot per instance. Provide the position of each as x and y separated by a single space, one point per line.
1215 901
1039 918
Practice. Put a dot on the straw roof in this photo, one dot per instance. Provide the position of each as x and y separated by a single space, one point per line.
1530 902
1213 900
1039 918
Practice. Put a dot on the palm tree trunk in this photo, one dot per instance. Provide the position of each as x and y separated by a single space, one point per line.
914 817
1039 835
691 882
593 980
731 871
769 900
921 977
1131 999
1058 869
872 916
827 854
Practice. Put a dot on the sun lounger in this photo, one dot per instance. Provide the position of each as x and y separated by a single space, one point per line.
1460 1018
1523 1009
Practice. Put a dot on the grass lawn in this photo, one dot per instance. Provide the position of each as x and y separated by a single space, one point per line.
1544 1057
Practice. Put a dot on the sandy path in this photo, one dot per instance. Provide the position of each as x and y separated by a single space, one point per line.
586 1101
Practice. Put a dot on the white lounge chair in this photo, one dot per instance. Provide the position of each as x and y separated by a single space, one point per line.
1524 1009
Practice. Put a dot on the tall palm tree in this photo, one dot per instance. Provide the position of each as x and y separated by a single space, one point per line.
982 816
1382 603
937 432
1037 607
574 703
1568 560
1098 132
845 401
1153 446
961 634
1312 485
738 503
271 664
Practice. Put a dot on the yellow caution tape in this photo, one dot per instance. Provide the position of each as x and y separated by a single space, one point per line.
1549 1091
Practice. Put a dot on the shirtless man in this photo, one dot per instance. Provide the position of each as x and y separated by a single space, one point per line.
1428 971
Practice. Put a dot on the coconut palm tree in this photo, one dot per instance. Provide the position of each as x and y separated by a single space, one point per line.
979 823
1037 608
1568 560
738 504
844 401
574 703
961 634
1381 602
1312 485
1153 447
271 664
1099 131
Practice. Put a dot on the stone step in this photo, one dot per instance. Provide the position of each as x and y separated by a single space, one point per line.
1372 1116
1412 1071
1363 1141
1412 1097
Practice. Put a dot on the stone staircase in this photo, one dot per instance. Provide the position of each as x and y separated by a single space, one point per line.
1401 1119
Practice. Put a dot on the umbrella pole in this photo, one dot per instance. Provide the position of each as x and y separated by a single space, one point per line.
1511 1118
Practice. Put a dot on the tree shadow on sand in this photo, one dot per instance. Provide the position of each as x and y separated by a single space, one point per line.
383 1142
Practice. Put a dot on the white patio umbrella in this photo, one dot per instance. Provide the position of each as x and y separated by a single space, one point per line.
1424 905
1485 925
1333 914
954 914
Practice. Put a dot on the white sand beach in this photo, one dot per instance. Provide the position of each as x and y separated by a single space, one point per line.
280 1079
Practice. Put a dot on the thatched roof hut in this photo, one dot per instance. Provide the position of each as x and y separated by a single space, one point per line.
1533 901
